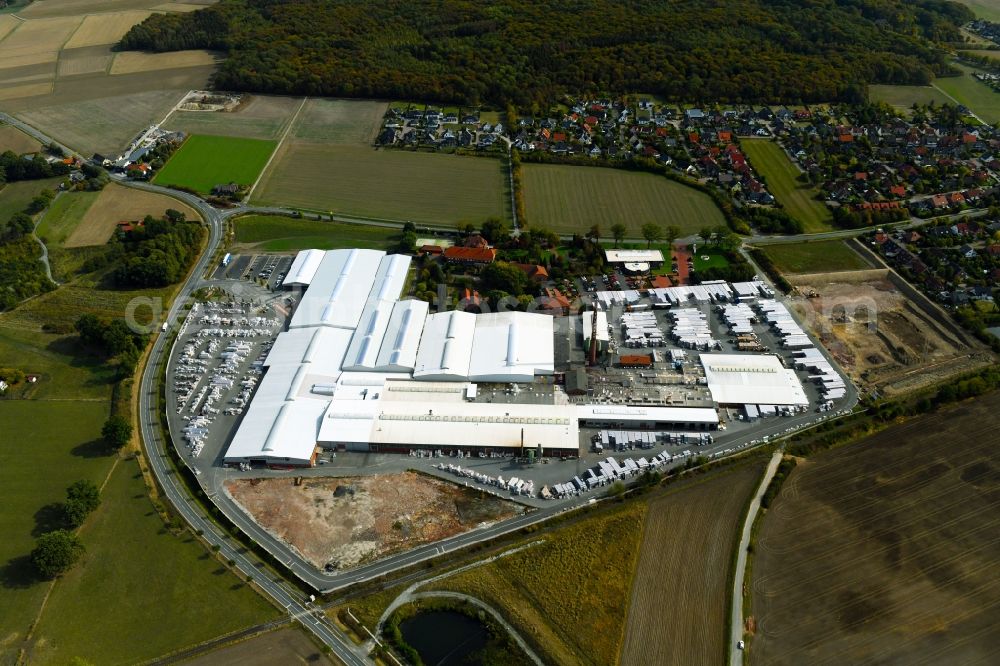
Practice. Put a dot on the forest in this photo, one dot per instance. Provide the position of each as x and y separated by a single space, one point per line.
156 254
532 53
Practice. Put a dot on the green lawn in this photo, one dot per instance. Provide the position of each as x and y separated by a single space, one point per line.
979 97
61 218
268 233
206 161
904 97
568 199
705 259
781 175
815 257
44 447
150 592
14 197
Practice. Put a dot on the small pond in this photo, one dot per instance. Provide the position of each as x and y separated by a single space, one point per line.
444 637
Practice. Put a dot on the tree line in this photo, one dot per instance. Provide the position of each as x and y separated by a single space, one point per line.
156 253
526 53
22 274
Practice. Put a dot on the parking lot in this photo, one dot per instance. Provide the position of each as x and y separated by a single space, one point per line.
265 269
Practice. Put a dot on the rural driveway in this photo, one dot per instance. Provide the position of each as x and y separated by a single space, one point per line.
735 655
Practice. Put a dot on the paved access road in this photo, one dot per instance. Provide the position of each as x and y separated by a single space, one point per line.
736 655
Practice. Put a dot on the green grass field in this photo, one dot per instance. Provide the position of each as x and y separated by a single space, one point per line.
360 181
206 161
816 257
904 97
706 259
985 9
268 233
568 199
45 446
781 175
152 593
15 196
62 217
979 97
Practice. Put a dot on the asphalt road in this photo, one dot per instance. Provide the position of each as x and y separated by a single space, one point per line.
736 655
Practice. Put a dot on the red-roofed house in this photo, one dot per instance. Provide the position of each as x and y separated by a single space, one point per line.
470 255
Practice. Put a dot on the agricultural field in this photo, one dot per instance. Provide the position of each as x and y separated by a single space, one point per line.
340 121
357 180
131 62
678 606
885 551
369 518
115 203
979 97
268 233
61 436
61 218
103 125
571 199
282 646
154 592
815 257
204 161
881 337
781 176
14 197
14 139
99 29
568 596
985 9
257 117
904 97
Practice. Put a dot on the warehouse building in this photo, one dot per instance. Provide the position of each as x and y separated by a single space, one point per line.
760 379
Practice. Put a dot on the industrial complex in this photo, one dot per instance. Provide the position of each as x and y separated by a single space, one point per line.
356 368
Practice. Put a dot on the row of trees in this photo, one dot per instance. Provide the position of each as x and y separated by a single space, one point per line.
14 167
520 52
56 551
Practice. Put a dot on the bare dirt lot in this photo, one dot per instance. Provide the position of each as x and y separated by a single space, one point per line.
678 609
352 520
886 551
284 646
121 204
882 338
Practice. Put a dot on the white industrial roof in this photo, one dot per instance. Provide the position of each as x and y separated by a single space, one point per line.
512 347
621 256
339 289
303 268
402 336
735 379
323 348
587 325
624 413
446 346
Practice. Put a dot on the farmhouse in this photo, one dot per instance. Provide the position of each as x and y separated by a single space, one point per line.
470 255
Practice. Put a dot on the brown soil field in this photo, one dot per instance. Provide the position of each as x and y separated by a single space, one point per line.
115 204
878 335
103 125
131 62
679 605
24 90
886 551
282 646
99 29
14 139
384 514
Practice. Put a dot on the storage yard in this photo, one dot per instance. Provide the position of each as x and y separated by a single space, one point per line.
885 338
340 523
885 551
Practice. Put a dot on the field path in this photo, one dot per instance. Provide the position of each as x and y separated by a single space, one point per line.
957 103
281 142
736 623
45 250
